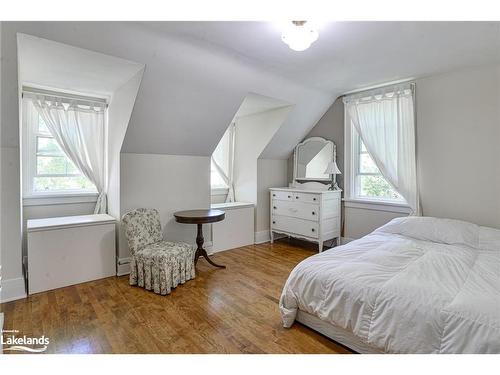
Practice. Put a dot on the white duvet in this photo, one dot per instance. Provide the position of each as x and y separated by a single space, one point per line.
415 285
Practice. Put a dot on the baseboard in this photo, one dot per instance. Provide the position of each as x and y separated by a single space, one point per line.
12 289
262 237
344 240
265 236
122 266
1 331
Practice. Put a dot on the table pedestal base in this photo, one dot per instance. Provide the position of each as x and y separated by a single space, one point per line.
200 251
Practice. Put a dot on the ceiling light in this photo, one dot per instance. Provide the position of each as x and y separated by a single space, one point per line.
299 35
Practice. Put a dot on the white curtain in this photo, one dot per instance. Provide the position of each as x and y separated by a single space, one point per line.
79 130
385 120
223 159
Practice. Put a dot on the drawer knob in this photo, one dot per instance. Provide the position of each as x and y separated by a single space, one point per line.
289 196
274 222
274 207
314 199
314 213
274 195
296 197
313 230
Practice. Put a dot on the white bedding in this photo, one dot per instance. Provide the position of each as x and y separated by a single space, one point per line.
415 285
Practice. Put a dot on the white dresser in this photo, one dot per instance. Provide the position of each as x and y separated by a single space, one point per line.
313 215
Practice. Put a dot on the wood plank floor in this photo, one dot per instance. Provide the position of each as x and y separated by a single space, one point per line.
233 310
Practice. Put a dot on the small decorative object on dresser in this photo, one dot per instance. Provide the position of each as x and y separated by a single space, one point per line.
313 215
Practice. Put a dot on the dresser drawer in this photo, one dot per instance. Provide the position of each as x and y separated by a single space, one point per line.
299 210
281 195
306 197
294 225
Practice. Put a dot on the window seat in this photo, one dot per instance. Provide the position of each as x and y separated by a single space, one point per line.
230 205
69 250
237 229
68 222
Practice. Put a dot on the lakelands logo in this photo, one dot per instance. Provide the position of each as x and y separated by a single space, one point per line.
11 342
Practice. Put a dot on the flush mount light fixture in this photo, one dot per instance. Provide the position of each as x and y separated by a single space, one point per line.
299 35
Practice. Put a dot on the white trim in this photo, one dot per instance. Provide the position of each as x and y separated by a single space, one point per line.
231 205
219 191
380 86
122 266
346 240
377 205
264 236
1 330
62 222
12 290
48 200
64 95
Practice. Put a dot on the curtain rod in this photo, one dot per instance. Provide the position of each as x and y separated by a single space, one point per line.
58 94
369 88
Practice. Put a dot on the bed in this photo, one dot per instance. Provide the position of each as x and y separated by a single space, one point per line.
415 285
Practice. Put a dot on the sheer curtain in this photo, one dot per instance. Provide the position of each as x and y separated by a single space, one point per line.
79 130
223 160
385 120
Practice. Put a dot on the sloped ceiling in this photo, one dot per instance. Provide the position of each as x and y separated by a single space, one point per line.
46 63
351 55
198 73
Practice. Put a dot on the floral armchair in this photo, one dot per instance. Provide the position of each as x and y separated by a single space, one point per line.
155 264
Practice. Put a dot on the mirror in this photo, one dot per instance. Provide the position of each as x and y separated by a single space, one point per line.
311 158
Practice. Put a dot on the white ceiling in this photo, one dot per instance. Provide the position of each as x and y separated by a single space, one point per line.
351 55
45 63
254 103
198 73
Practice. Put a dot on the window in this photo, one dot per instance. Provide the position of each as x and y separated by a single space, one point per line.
368 181
221 167
216 180
47 170
364 181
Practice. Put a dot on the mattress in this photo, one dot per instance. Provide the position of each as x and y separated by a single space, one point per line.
415 285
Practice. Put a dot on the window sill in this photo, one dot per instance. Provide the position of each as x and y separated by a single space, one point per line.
49 200
366 204
219 191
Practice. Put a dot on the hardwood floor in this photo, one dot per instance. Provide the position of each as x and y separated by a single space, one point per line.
233 310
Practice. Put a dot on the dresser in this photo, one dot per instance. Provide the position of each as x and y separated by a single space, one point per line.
313 215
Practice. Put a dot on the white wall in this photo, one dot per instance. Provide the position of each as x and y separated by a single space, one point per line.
270 173
359 222
253 133
12 276
458 137
458 145
1 317
119 112
168 183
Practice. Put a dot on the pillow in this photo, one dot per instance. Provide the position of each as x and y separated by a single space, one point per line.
489 238
447 231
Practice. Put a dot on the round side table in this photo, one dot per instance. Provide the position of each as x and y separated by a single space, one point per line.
200 217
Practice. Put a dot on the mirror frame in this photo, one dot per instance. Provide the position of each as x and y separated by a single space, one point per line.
303 143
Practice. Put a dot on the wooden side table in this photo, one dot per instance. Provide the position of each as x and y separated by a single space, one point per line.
200 217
